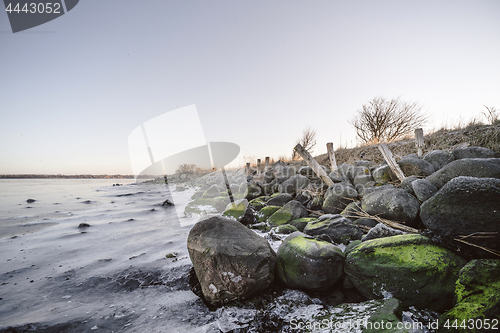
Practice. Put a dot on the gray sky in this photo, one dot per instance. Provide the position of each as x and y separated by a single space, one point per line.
259 72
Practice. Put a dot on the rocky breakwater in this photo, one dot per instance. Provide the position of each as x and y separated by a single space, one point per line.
431 241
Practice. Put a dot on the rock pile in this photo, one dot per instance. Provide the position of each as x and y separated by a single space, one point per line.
334 237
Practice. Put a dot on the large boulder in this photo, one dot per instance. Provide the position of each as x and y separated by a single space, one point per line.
438 158
465 205
231 261
292 210
306 263
408 267
339 229
393 204
338 196
293 184
473 152
472 167
416 167
477 293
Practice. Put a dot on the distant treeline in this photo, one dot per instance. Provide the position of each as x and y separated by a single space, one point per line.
67 176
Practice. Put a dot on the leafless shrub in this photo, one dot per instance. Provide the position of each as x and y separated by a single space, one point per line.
308 141
492 115
384 120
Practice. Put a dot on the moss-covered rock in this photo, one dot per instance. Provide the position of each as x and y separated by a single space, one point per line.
339 229
286 229
266 212
211 192
235 211
301 223
259 203
201 206
220 203
477 292
351 246
290 211
307 263
408 267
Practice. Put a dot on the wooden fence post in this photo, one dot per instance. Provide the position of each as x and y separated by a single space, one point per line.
258 166
266 165
313 164
248 169
419 140
391 161
331 156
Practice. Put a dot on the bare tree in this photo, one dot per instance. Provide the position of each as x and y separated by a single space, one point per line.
384 120
186 168
308 141
493 114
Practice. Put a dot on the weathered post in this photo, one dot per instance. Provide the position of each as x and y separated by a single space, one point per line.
331 156
313 164
391 161
419 140
247 168
258 166
266 164
229 192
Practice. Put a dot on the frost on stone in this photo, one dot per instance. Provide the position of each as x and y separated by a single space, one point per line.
233 318
212 288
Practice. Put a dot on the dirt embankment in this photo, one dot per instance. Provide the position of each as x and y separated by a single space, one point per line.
487 136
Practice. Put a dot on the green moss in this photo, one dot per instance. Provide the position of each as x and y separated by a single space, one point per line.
236 211
286 229
411 267
280 217
259 202
317 224
296 255
301 223
477 292
266 212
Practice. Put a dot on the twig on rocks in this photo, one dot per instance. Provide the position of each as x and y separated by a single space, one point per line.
495 252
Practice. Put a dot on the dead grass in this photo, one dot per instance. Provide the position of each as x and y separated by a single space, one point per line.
473 134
